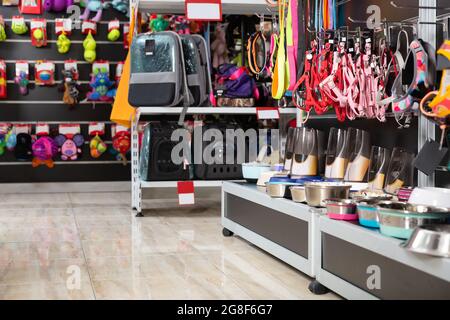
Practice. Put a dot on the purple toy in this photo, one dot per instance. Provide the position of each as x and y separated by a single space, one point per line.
44 149
57 5
69 147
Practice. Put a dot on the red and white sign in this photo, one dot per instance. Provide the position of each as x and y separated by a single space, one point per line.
204 10
185 190
264 113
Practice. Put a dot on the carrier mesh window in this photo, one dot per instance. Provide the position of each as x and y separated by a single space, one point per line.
161 59
190 55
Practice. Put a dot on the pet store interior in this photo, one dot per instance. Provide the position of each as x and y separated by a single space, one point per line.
109 109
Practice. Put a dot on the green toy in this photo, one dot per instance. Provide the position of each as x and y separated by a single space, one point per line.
2 32
113 35
89 45
158 24
19 26
2 144
63 43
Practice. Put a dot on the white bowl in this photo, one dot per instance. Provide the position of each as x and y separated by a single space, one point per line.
436 197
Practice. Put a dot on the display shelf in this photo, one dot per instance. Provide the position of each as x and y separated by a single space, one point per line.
350 257
173 184
281 227
207 110
228 6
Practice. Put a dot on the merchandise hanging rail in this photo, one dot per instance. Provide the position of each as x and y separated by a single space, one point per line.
242 7
208 110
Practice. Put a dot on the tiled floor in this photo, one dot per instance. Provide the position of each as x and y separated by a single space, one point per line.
90 246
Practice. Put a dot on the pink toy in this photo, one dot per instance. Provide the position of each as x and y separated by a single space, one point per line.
70 147
219 46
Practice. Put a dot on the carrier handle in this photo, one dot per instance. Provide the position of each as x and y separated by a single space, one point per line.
187 95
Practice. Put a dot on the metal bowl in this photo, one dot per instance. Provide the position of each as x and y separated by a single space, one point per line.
279 190
341 209
368 213
398 219
298 193
318 192
430 239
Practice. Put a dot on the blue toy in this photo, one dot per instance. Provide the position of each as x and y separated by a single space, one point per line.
121 6
102 88
96 6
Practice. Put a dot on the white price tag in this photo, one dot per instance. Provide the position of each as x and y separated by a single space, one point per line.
67 129
267 113
42 129
22 66
96 128
87 26
204 10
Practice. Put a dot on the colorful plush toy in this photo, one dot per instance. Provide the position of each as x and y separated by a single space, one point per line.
70 146
70 87
180 25
121 6
57 5
103 89
97 147
89 46
96 6
219 46
158 23
44 149
22 81
122 144
11 140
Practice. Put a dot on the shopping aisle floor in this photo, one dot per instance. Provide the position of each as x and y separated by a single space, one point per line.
90 246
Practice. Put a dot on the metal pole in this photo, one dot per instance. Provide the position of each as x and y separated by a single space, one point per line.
426 130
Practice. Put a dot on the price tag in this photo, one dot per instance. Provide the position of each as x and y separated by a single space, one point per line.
22 128
63 25
267 113
113 24
204 10
96 128
69 129
22 66
87 26
42 129
4 127
185 190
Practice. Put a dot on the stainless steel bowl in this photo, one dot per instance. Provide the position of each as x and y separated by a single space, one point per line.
341 209
430 239
298 193
398 219
278 190
318 192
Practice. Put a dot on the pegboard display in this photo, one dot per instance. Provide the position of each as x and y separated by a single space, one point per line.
45 103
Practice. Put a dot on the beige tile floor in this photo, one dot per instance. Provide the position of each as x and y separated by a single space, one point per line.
90 246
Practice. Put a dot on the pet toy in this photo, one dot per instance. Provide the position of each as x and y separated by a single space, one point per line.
121 6
102 88
44 149
63 43
18 25
97 147
180 25
89 46
3 85
22 81
158 23
2 144
122 144
22 150
70 148
113 30
57 5
70 87
2 29
96 6
219 46
11 140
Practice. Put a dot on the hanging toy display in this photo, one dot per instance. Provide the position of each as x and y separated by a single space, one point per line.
157 23
44 73
44 148
22 77
63 29
11 140
57 5
89 46
121 6
38 32
3 85
18 25
63 43
103 89
22 148
113 30
219 46
121 142
69 146
2 29
96 145
70 84
95 6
